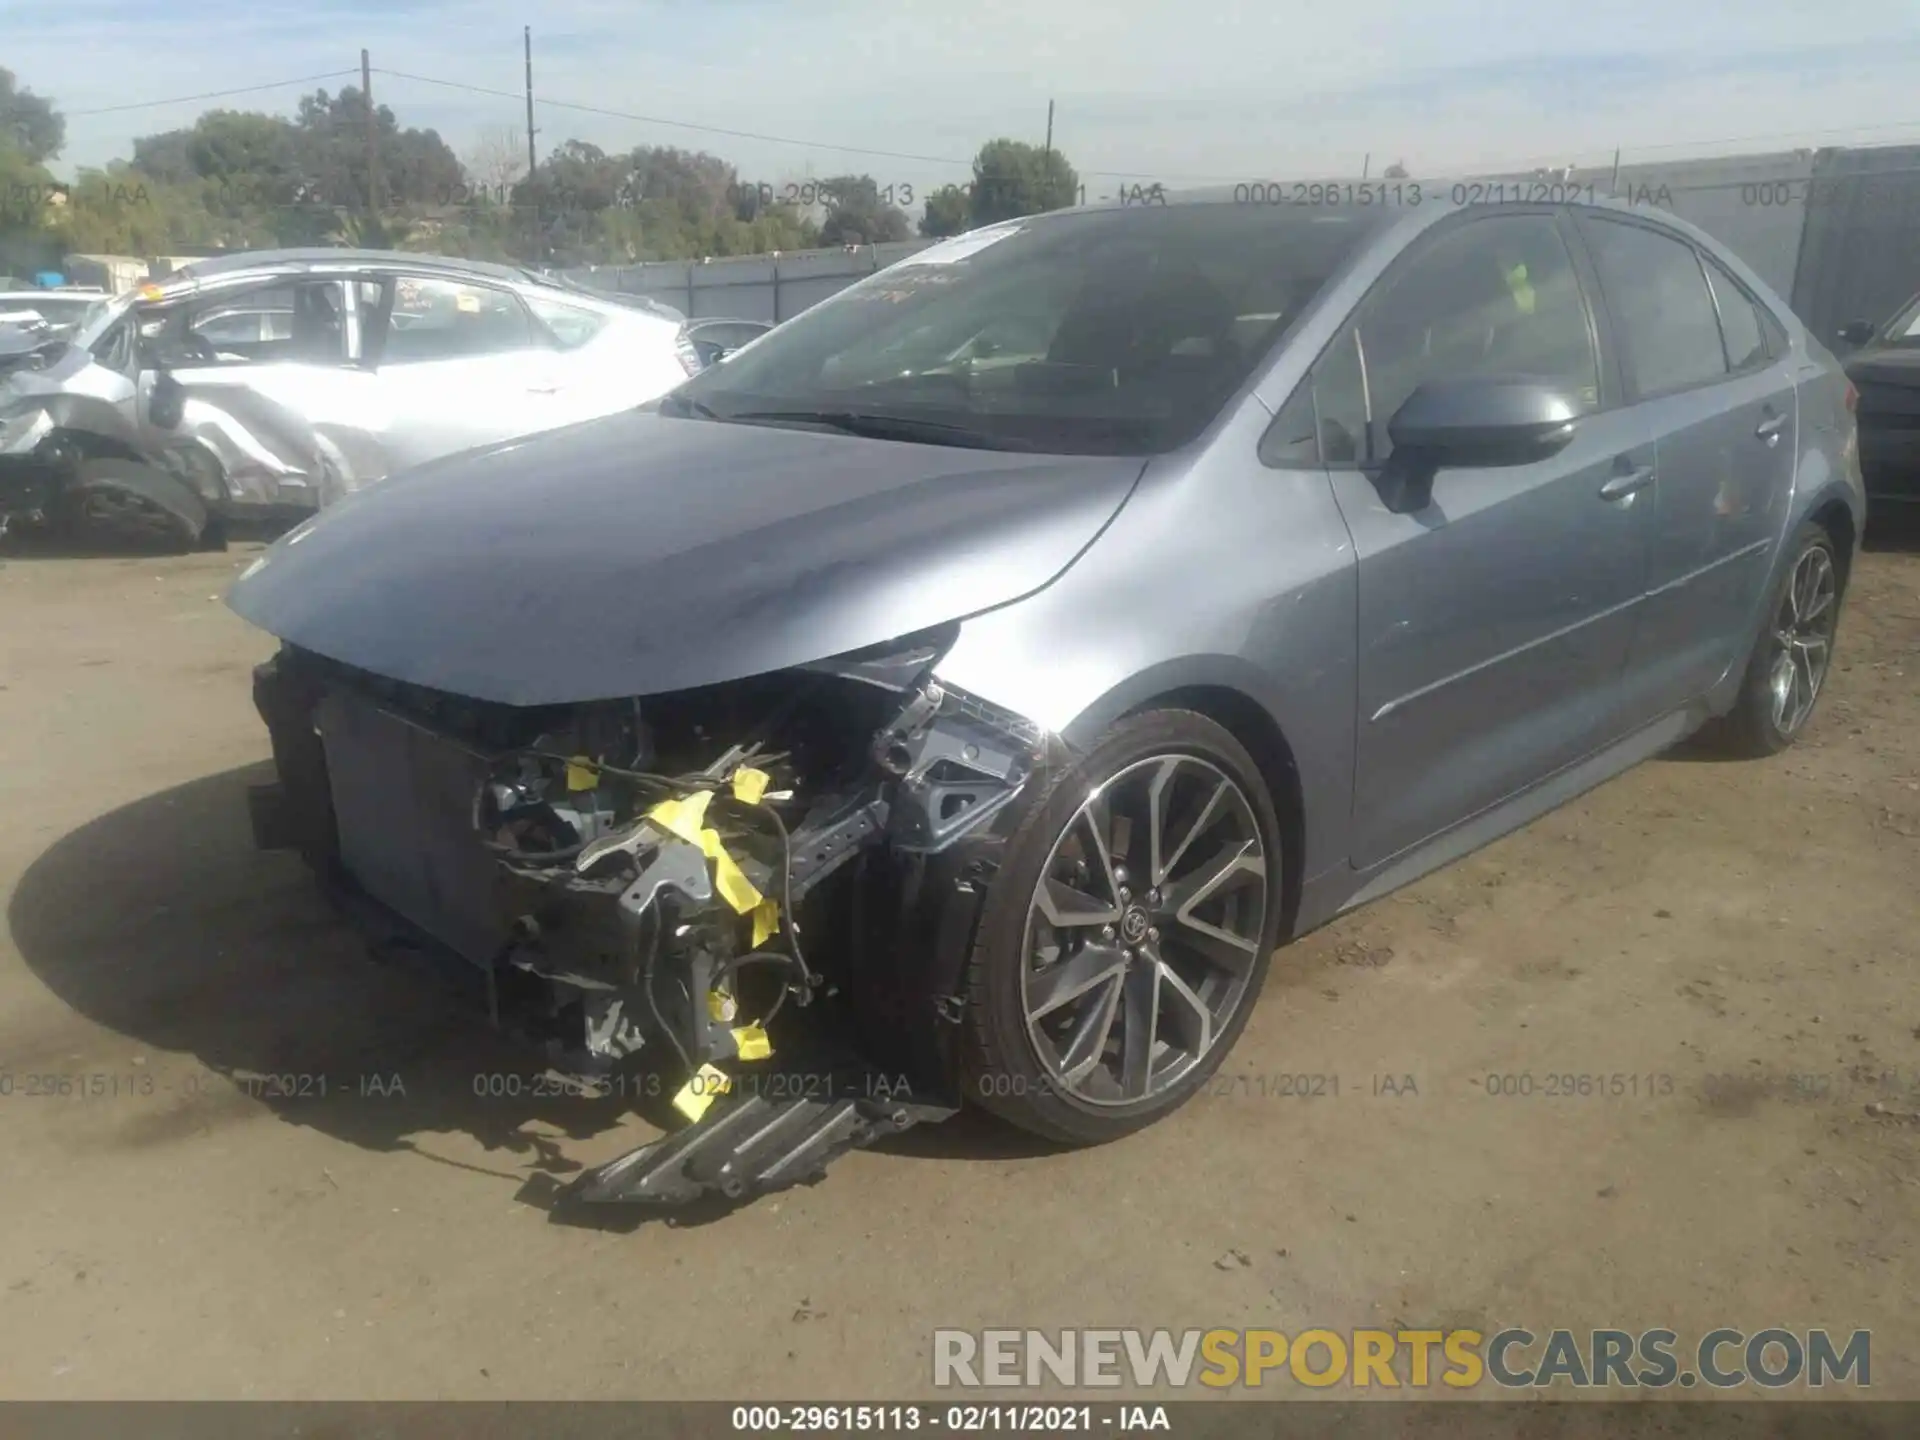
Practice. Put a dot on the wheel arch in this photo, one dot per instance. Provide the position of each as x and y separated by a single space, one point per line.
1835 516
1227 691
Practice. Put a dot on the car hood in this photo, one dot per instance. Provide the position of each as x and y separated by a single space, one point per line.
641 553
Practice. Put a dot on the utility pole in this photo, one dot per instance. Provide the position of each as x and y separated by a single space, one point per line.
533 188
373 139
527 38
1046 156
1366 166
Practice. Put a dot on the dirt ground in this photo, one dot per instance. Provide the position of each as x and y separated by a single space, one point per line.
1742 938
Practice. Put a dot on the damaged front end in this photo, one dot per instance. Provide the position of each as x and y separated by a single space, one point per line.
764 889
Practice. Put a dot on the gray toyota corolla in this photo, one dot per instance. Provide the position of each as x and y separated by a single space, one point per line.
957 695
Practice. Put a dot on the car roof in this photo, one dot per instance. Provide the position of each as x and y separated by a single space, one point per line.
334 257
221 270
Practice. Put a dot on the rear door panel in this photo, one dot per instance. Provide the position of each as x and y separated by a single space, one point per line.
1724 450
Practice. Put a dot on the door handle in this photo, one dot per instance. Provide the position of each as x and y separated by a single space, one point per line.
542 389
1633 481
1770 428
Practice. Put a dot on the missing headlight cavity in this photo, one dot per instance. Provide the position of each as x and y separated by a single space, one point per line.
672 881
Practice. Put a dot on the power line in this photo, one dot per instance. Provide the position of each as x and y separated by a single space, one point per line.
1151 176
1159 176
772 139
211 94
677 124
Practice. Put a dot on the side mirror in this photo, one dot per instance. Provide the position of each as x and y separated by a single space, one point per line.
1476 422
1856 332
167 403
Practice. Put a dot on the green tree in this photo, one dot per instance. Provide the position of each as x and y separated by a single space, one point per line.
949 212
29 124
27 242
416 166
856 215
390 230
1012 178
1396 171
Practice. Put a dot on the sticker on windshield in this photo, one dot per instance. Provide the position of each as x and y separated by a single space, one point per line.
961 246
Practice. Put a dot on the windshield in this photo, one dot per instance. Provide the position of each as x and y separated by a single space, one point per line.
1119 331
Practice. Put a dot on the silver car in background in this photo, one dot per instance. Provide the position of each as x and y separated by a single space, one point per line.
270 384
49 313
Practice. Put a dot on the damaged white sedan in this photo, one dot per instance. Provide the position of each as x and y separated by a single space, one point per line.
265 385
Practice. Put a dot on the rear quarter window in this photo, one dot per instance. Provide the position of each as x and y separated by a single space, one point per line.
571 326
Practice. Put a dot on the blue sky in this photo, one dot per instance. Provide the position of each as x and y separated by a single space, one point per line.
1190 92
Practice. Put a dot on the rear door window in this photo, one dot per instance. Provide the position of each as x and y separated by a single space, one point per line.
1658 296
570 325
1740 320
435 319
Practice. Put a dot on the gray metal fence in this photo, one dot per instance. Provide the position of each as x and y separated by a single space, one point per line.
1860 258
1836 231
769 288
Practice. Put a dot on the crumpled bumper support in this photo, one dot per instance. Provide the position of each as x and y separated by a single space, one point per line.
752 1145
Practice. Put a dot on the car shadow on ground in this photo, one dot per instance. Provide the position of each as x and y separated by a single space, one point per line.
160 922
33 543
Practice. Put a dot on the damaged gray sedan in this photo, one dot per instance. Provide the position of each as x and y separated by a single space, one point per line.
957 695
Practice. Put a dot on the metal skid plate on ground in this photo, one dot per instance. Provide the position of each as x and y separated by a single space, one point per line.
750 1145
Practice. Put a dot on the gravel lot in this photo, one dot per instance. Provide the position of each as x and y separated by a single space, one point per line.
1742 938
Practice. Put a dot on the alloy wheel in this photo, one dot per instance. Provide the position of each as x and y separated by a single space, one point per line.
1803 639
1144 930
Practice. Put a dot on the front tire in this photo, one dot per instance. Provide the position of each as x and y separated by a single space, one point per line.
122 501
1128 933
1791 656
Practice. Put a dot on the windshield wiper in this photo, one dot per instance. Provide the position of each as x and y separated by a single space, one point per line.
884 427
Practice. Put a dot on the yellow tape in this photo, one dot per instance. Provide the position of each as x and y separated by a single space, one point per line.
750 784
751 1042
580 774
699 1092
766 922
734 887
683 817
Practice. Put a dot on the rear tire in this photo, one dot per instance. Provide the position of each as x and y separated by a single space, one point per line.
1104 1001
120 500
1792 656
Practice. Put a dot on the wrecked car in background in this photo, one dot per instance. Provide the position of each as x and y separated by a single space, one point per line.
266 385
957 694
